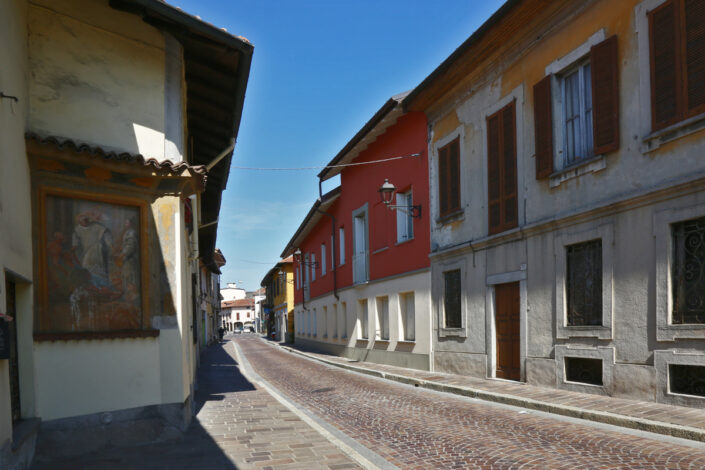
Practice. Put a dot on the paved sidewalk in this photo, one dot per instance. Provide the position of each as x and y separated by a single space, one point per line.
239 425
677 421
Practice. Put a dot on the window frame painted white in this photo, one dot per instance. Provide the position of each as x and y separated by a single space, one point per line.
323 259
405 219
341 245
382 316
361 245
407 316
584 115
363 319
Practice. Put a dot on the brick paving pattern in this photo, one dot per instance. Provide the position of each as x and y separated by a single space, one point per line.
238 426
676 415
417 429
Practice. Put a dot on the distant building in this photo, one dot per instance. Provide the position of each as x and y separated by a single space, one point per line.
233 292
238 313
279 299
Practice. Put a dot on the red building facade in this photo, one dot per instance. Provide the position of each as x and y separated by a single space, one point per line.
354 254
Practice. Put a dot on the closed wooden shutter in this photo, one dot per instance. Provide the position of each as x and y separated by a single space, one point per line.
501 170
665 82
605 95
543 127
454 176
509 153
494 195
443 180
695 56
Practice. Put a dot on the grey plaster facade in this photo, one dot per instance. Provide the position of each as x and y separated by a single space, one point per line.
626 198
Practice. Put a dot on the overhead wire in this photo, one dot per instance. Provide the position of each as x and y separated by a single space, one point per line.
342 165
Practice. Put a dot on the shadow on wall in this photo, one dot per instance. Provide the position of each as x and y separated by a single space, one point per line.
194 449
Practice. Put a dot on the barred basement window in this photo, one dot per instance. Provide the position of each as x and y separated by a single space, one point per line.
688 380
584 283
451 299
688 272
583 370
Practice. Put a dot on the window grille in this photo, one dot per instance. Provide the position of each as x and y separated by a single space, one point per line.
688 272
584 284
451 299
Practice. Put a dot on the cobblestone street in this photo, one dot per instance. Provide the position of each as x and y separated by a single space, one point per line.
413 428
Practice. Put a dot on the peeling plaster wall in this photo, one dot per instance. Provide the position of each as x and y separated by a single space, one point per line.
15 204
629 172
98 76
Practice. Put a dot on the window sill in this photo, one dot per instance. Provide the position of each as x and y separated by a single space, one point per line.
381 340
380 250
452 217
599 332
361 283
672 332
408 240
673 132
406 341
590 165
452 332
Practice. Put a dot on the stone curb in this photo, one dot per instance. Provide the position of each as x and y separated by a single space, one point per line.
657 427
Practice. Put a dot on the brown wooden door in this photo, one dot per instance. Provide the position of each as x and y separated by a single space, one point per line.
507 326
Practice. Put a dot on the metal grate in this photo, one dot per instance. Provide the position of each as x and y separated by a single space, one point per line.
688 380
452 299
584 284
583 370
688 272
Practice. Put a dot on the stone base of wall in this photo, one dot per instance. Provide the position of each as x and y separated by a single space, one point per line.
89 433
633 381
541 371
378 356
474 365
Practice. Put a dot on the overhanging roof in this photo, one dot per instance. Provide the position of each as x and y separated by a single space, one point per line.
311 220
413 101
385 117
270 273
217 68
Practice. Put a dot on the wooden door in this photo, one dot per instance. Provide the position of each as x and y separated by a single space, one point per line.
507 327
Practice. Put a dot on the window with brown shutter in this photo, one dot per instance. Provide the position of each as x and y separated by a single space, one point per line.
588 93
502 169
543 127
677 49
449 178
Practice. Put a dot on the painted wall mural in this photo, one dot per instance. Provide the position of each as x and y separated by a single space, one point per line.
92 266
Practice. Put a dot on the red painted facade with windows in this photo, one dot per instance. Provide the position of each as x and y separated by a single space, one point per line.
359 185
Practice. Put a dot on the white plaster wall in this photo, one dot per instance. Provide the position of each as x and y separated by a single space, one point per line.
97 76
418 282
81 377
15 208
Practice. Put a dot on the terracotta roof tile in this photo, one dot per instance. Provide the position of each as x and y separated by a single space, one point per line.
175 168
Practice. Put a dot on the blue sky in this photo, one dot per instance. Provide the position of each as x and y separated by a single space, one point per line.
320 70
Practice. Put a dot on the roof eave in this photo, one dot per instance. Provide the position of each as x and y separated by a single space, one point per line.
310 220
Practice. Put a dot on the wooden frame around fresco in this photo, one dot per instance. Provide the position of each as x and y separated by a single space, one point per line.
142 205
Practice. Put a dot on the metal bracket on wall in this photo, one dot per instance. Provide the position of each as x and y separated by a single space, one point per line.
8 97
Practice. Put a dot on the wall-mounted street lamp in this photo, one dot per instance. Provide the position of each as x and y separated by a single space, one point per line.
386 193
299 259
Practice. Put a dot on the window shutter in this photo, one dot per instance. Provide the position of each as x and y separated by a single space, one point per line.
494 196
443 189
454 176
543 127
695 55
664 72
509 189
604 65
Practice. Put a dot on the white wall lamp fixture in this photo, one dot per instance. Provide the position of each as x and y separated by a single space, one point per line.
386 194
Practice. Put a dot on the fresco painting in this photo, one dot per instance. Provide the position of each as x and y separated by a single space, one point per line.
92 266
